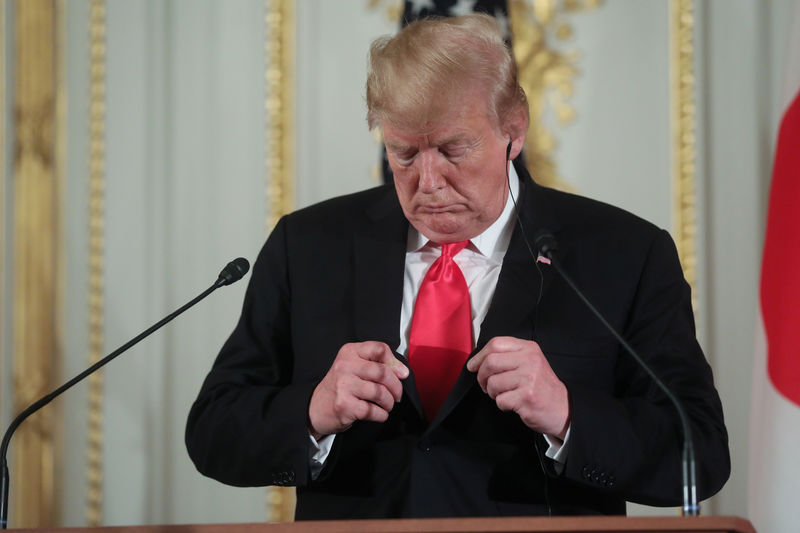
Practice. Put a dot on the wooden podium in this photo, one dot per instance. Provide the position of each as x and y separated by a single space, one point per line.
593 524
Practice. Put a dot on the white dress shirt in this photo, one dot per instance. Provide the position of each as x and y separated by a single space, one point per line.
480 262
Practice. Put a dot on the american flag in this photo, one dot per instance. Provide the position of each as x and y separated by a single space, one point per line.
415 9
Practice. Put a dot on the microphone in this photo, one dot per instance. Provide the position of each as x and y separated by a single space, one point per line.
232 272
545 242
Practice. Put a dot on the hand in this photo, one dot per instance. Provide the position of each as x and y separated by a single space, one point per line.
516 375
363 383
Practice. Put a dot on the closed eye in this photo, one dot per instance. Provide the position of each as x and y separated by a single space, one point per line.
453 151
404 157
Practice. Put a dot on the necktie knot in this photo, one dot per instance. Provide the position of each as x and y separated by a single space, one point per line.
452 248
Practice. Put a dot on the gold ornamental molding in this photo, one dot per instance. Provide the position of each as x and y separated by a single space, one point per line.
37 240
97 165
3 288
279 52
683 138
279 55
392 9
547 74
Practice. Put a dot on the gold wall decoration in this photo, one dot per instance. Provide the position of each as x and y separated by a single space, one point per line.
393 9
279 54
683 139
37 175
279 51
547 74
3 289
97 128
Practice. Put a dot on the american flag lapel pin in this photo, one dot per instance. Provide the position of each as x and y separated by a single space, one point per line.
542 259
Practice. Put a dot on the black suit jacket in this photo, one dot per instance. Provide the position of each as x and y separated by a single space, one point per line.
333 273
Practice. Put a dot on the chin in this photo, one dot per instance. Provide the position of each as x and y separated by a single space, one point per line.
444 228
440 227
443 235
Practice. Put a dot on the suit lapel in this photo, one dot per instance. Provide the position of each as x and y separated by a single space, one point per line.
523 280
380 252
379 262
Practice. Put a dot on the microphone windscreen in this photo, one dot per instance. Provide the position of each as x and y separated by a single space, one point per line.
233 271
545 243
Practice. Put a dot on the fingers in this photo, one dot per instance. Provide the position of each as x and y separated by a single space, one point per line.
375 393
363 383
374 413
496 345
550 416
497 384
516 375
508 400
495 364
381 374
377 364
370 403
380 353
502 354
358 399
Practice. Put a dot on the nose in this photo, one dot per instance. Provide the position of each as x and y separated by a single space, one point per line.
431 178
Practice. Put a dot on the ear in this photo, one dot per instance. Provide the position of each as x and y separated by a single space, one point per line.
516 129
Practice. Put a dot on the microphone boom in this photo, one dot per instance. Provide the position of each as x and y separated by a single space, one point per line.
232 272
547 245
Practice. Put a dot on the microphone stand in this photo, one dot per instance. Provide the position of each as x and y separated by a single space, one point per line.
690 505
547 245
231 273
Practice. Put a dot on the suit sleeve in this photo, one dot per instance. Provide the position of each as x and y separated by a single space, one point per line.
631 442
248 424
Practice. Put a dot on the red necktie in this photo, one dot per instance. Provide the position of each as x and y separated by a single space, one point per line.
440 339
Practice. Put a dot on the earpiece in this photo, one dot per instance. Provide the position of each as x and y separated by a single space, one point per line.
508 149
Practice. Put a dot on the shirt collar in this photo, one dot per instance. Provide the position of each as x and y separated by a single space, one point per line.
495 238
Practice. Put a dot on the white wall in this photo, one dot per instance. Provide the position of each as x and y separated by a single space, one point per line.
618 148
336 152
185 194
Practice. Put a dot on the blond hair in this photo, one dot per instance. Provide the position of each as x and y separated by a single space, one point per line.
415 76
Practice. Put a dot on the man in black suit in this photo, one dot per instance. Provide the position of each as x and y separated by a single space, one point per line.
327 382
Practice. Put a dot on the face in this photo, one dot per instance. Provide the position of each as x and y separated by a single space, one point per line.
451 179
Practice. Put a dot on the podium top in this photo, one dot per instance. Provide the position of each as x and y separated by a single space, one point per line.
593 524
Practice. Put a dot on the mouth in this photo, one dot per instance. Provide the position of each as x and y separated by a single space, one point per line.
440 208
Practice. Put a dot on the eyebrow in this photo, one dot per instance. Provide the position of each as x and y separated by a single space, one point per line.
457 138
454 139
397 147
